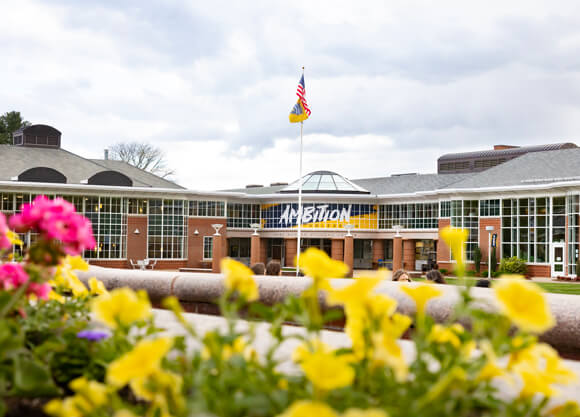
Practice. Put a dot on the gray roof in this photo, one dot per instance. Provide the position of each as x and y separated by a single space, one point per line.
531 168
409 183
520 150
257 190
76 169
137 174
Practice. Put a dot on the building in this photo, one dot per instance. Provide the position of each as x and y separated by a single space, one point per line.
531 202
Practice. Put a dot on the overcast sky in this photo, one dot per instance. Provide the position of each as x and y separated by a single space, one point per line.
391 85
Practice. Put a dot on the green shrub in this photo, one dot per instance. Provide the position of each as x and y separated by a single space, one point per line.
477 259
471 273
443 271
513 265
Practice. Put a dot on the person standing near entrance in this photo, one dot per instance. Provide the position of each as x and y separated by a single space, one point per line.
273 268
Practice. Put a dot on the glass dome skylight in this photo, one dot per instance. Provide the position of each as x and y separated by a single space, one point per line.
324 182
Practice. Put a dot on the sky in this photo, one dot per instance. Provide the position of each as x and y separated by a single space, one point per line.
392 85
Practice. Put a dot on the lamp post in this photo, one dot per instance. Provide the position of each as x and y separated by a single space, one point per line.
489 229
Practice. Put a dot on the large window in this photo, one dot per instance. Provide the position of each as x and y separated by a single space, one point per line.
573 230
558 219
243 215
489 208
107 215
207 247
167 229
464 214
525 225
206 208
445 209
410 216
137 206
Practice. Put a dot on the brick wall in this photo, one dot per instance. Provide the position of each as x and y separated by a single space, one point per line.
443 254
290 245
378 250
337 249
195 242
539 271
409 254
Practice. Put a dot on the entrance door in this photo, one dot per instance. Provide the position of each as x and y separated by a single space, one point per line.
363 254
557 259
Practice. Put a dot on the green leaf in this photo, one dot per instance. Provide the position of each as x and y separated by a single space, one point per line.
262 311
2 408
332 315
32 378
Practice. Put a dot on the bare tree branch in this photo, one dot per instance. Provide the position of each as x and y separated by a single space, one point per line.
142 155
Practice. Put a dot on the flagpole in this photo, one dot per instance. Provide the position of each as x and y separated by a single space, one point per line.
299 199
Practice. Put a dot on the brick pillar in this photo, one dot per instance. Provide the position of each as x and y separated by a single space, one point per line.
290 245
255 249
409 255
218 253
337 249
263 251
378 251
397 253
349 253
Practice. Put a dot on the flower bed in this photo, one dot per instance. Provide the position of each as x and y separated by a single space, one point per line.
121 364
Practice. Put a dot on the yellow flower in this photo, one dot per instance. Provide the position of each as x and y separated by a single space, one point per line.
491 369
96 287
421 294
316 264
388 352
76 262
92 391
441 334
142 361
325 369
52 295
372 412
394 327
67 407
121 306
283 384
13 238
238 277
524 303
533 383
156 384
455 239
568 409
543 359
309 409
358 291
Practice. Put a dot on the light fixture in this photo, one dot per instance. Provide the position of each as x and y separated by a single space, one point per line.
397 228
489 230
255 226
196 232
136 231
348 228
217 228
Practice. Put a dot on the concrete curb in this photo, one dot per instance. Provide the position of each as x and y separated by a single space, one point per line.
201 289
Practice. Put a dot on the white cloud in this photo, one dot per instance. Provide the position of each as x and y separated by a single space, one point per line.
392 85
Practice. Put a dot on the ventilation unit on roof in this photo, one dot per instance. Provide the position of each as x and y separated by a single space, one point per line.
254 186
275 184
405 174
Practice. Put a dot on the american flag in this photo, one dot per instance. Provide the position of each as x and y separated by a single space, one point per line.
301 93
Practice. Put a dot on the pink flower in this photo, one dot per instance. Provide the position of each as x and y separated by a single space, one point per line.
4 241
12 276
56 219
40 290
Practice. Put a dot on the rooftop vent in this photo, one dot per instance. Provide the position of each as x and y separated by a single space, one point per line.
502 147
254 186
275 184
407 174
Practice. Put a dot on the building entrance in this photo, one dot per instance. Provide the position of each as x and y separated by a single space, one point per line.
557 259
275 251
239 249
363 254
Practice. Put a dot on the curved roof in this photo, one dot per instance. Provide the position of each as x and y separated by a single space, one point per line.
507 152
324 182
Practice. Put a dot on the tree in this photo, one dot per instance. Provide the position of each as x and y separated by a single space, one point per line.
142 155
9 123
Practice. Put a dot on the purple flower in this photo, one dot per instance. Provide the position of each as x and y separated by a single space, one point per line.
93 335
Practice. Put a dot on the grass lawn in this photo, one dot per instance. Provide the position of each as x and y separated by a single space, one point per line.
553 287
